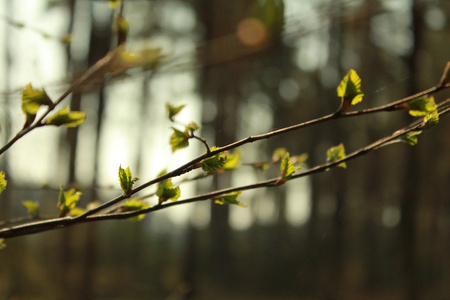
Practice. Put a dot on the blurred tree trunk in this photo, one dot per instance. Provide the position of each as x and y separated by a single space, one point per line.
98 47
411 176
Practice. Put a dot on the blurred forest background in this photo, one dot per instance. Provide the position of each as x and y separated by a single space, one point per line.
379 229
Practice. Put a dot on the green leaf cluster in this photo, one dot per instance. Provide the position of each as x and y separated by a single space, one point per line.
3 182
133 205
421 106
67 201
349 90
336 153
215 162
32 100
66 118
126 180
167 191
230 198
32 208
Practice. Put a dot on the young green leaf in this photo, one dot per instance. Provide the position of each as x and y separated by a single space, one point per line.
232 161
133 205
166 191
230 198
66 118
431 119
421 106
2 244
126 180
67 201
349 90
286 168
179 139
215 162
336 153
3 182
32 100
173 110
32 208
410 137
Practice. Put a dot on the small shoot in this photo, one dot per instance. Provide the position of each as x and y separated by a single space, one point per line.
67 201
230 198
410 137
126 181
167 191
32 208
3 182
173 110
421 106
286 169
32 100
349 90
336 153
215 162
431 119
134 205
66 118
121 60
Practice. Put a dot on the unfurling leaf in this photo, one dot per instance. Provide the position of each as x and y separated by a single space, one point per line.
230 198
3 182
2 244
32 208
166 190
66 118
336 153
431 119
421 106
133 205
215 162
173 110
349 90
286 168
232 161
410 137
126 180
32 100
179 139
67 201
